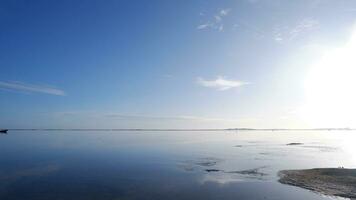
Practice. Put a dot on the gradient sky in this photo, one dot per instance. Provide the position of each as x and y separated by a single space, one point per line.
166 64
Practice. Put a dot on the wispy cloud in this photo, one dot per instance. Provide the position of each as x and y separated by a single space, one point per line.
167 76
350 10
135 117
288 33
254 30
303 26
30 88
216 23
103 119
177 117
224 12
220 83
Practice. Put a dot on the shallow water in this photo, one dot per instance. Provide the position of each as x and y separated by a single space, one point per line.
37 165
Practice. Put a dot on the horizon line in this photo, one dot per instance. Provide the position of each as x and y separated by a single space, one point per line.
180 129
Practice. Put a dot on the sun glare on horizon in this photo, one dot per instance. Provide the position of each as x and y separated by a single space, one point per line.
330 88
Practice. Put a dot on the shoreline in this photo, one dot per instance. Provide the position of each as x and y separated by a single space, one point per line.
339 182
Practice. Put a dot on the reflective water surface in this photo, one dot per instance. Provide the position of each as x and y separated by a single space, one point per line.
37 165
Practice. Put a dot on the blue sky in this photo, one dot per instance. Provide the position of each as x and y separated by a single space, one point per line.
164 64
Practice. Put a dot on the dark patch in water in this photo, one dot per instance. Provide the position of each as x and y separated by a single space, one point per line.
294 144
211 161
192 165
250 172
213 170
272 154
322 148
264 158
187 167
208 162
265 153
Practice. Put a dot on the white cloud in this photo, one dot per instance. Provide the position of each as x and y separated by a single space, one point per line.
303 26
136 117
250 28
117 120
224 12
216 23
221 28
278 38
217 18
220 83
119 116
204 26
167 76
350 10
287 33
30 88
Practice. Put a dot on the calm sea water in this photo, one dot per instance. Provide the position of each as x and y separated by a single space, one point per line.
36 165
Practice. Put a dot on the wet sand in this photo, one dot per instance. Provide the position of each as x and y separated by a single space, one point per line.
329 181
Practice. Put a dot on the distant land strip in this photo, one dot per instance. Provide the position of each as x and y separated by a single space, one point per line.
139 129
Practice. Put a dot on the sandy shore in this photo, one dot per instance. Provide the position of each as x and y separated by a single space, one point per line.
329 181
